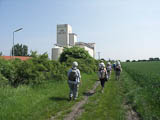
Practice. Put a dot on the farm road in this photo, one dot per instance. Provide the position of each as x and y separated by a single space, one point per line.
77 110
131 114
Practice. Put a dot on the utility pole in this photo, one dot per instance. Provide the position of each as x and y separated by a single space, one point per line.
99 55
13 39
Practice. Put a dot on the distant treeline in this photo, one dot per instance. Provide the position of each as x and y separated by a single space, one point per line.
150 59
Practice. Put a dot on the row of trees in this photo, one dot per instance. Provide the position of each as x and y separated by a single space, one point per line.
150 59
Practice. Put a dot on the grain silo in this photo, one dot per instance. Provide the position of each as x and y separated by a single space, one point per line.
72 39
63 31
56 52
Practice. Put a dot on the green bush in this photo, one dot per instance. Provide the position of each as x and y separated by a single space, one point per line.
7 69
33 71
39 68
3 81
87 64
74 52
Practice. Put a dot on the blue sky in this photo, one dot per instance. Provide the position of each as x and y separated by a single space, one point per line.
121 29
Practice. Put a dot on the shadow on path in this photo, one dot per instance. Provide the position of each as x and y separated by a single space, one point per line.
88 93
58 99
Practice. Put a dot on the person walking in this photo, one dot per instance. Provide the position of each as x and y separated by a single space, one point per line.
114 66
118 70
102 74
109 69
74 78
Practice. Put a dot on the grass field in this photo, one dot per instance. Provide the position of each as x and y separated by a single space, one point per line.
139 86
39 102
142 88
106 106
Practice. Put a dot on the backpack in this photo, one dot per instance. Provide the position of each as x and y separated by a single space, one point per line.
118 68
108 68
73 75
102 73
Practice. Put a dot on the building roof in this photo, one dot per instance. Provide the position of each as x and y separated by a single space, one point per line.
90 45
63 25
19 57
73 34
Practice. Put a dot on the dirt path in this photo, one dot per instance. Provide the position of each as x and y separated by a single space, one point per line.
77 110
131 114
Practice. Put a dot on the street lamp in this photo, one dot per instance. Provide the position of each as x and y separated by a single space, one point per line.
13 38
99 55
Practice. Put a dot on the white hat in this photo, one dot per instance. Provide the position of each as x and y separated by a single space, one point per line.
118 63
101 64
75 64
108 63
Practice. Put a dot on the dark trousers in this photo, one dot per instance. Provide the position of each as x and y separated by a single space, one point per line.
102 82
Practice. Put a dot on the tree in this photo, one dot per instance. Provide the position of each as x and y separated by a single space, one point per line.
151 59
127 60
156 59
1 53
74 52
20 50
34 54
133 60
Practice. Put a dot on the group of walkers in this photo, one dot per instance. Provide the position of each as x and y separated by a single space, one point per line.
104 73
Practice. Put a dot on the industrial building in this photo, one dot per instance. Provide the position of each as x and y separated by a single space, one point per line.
65 38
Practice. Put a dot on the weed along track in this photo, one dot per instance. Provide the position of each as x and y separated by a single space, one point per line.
77 109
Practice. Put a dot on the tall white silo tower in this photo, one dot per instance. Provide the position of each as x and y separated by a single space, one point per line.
63 31
72 39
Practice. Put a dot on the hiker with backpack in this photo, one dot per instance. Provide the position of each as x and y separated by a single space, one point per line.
114 66
109 69
102 74
118 70
74 77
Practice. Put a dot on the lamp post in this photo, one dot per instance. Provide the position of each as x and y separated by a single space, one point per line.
13 38
99 55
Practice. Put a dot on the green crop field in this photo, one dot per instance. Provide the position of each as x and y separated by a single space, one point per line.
145 67
142 88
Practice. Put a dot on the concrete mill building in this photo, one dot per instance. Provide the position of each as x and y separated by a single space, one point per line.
65 38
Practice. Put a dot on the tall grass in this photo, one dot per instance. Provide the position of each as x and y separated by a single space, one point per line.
106 106
142 84
39 102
